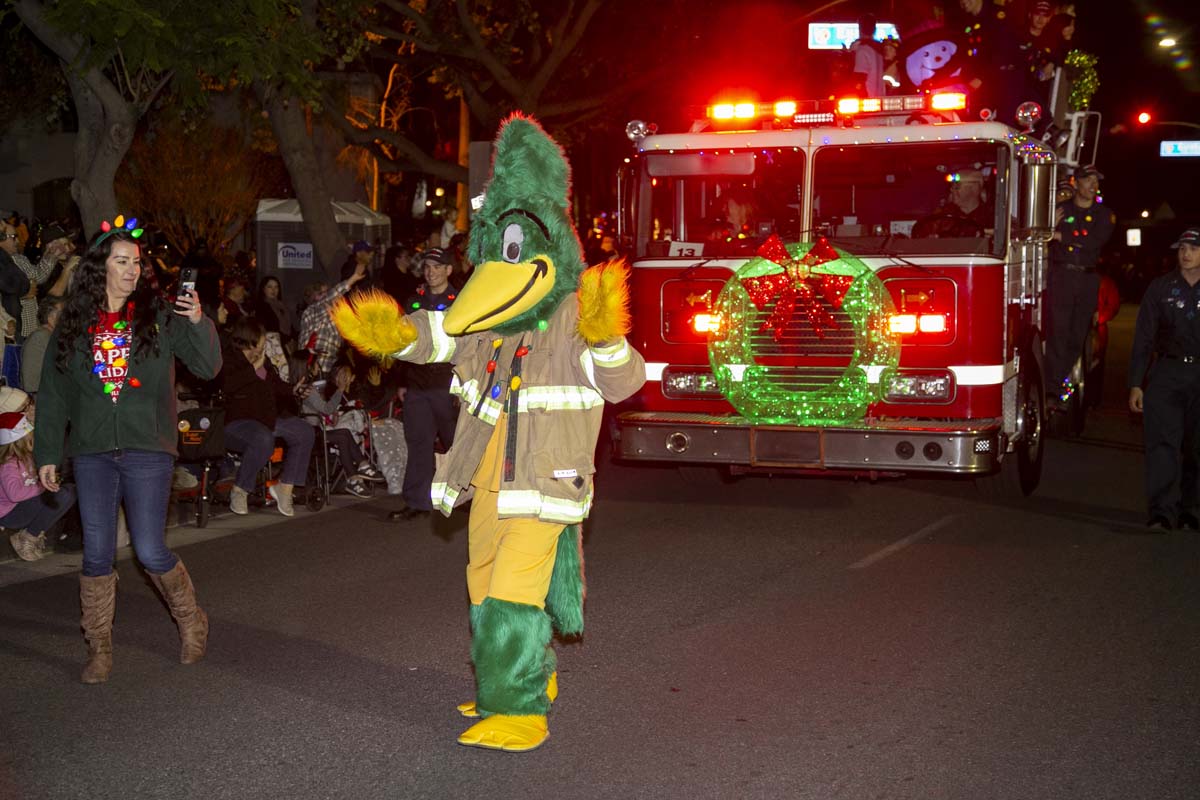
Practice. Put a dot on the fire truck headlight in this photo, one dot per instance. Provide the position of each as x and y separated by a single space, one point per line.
923 386
691 382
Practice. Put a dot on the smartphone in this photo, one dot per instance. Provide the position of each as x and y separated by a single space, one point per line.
187 283
187 280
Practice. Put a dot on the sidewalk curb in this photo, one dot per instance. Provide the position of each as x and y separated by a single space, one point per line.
14 571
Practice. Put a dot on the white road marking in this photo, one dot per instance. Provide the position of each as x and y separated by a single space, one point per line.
899 545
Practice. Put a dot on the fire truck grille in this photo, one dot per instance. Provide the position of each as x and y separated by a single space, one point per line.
802 360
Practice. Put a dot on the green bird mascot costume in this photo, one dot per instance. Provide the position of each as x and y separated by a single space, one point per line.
538 346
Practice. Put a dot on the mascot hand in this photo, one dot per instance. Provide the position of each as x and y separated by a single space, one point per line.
604 302
373 323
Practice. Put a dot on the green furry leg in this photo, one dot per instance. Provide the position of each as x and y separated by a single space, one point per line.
513 659
564 601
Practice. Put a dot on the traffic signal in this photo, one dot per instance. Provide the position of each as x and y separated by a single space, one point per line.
1144 118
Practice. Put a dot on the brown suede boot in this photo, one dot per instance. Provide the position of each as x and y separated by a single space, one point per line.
176 587
98 599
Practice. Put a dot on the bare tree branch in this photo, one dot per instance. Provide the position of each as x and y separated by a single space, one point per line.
484 56
409 156
70 49
562 47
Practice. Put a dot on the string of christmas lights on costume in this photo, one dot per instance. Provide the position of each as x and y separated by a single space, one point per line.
764 295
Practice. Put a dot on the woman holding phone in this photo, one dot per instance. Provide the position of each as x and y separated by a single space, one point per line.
109 375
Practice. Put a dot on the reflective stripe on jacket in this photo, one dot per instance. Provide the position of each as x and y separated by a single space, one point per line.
560 403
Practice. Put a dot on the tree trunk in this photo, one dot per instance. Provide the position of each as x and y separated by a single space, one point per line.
105 135
300 157
106 120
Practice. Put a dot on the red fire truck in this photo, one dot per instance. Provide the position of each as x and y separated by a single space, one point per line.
942 371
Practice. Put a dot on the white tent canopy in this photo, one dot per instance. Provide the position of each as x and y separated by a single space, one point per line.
288 210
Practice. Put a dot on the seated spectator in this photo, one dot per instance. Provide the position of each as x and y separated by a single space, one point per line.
260 406
237 299
271 311
322 402
33 352
24 504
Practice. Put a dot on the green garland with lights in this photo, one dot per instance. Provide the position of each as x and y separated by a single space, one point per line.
1081 67
774 293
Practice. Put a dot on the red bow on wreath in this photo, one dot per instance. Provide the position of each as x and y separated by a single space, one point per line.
797 285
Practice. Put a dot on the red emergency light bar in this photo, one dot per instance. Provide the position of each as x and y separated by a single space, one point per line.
790 113
723 112
941 101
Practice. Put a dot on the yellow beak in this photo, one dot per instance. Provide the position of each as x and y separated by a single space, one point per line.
497 292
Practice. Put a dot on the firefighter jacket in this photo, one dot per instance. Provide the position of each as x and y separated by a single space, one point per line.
551 386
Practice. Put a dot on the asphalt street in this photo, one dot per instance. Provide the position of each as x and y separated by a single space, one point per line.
774 637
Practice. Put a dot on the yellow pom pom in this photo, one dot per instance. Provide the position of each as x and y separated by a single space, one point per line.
373 323
604 302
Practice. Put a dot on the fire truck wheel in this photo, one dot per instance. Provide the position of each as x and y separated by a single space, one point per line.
1021 470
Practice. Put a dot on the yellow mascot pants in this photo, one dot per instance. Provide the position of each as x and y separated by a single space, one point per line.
508 559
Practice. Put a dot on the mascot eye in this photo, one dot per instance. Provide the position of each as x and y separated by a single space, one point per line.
514 237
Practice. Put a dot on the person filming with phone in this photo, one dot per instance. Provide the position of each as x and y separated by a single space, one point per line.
109 381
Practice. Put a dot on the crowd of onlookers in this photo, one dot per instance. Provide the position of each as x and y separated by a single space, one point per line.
287 377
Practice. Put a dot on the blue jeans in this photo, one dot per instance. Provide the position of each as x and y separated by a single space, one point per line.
37 514
256 443
143 479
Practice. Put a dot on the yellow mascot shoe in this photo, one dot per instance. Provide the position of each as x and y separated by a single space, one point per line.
509 733
469 711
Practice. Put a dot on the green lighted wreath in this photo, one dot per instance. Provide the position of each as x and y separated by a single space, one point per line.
782 298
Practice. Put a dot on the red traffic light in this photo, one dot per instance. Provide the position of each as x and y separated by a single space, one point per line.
1143 118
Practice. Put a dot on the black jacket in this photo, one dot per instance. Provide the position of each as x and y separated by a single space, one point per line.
14 284
248 396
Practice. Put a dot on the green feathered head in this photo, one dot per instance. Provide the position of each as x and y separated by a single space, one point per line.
526 253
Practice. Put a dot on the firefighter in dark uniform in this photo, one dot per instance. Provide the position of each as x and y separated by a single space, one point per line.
429 412
1166 362
1082 228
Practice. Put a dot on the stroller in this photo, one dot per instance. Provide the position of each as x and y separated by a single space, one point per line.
202 442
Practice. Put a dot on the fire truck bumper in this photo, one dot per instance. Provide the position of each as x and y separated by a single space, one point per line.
878 446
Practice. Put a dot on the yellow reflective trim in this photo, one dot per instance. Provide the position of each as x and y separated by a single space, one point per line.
530 502
589 366
443 343
558 398
469 391
443 497
519 501
613 355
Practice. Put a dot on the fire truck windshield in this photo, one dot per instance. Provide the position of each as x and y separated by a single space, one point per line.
924 197
718 204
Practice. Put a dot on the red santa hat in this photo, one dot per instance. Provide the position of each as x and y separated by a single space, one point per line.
14 426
